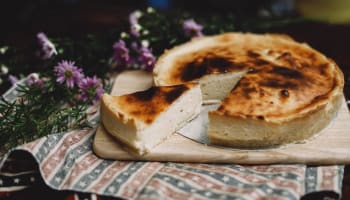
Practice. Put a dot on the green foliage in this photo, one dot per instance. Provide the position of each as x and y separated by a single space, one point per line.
38 112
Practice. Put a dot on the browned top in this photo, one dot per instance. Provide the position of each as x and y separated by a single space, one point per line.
284 77
147 105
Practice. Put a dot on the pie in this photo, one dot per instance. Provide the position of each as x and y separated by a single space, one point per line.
272 89
142 120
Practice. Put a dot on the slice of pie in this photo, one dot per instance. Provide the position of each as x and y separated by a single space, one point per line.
144 119
274 90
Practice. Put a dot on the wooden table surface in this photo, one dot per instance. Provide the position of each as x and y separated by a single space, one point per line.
21 20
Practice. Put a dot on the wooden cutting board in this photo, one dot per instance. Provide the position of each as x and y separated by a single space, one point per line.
331 146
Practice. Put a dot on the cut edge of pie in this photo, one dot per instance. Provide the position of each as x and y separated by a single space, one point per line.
144 119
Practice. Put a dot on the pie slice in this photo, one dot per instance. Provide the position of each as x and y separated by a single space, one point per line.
144 119
275 90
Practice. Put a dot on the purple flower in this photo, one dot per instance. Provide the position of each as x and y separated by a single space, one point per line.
134 17
146 58
134 46
121 54
33 80
91 89
67 72
47 49
192 29
135 27
13 79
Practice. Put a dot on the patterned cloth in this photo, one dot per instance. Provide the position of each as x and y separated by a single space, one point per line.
66 162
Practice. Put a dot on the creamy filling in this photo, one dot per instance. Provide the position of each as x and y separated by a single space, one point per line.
180 112
144 137
218 86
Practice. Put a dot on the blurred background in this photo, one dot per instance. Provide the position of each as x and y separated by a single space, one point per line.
21 19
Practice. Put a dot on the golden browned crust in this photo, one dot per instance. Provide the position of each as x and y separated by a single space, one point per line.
146 105
285 79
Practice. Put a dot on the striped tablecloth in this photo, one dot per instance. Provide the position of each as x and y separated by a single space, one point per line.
66 162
